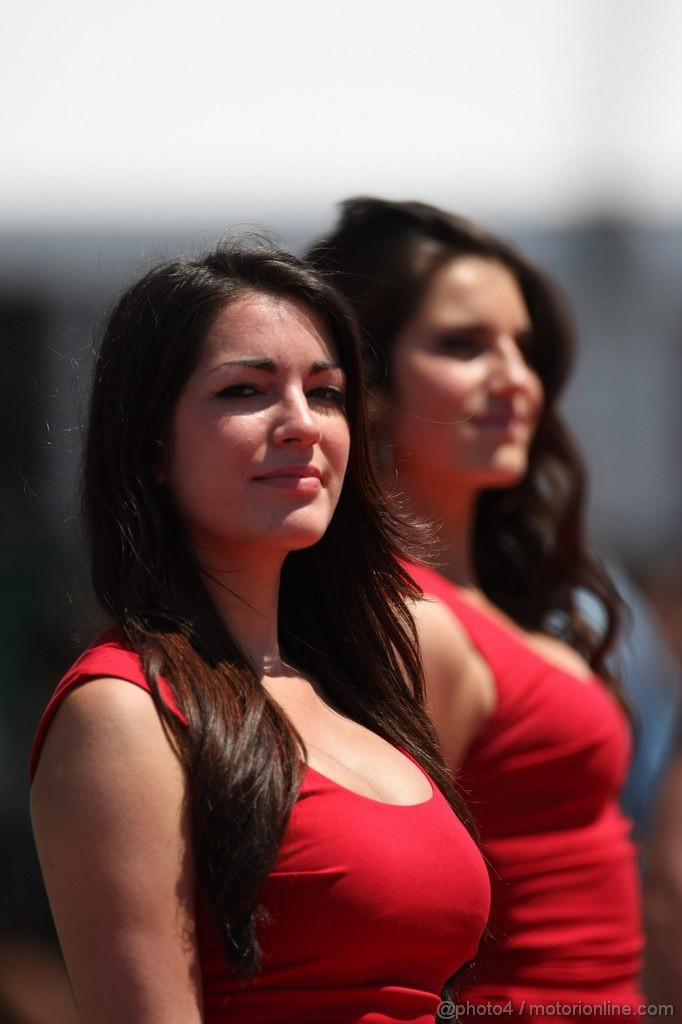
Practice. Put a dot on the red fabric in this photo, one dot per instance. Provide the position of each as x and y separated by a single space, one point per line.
543 781
372 906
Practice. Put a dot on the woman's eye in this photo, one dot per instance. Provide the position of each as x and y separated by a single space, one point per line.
237 391
461 345
329 394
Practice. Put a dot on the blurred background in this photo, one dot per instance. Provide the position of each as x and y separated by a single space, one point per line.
136 129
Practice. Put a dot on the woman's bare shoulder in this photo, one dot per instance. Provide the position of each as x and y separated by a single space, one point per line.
460 685
112 829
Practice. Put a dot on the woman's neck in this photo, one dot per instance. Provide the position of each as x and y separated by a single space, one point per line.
454 521
456 555
247 597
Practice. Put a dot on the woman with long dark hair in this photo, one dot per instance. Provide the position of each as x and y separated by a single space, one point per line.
230 838
468 347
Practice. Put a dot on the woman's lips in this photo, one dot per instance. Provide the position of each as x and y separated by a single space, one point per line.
507 424
300 479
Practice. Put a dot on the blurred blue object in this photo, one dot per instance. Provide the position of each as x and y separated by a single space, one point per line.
653 685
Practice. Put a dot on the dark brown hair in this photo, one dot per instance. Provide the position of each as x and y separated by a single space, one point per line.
343 619
530 551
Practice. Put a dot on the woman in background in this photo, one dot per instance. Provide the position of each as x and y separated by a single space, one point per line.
228 839
468 349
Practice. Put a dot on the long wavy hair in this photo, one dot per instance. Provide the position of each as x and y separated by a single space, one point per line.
343 612
529 546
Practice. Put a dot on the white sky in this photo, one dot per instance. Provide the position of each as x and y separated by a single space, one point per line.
142 111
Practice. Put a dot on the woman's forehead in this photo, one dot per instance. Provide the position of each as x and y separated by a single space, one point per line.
269 326
475 286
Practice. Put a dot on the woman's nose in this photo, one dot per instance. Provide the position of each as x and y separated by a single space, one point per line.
296 421
511 371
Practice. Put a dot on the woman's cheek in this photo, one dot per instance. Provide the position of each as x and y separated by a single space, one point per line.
538 398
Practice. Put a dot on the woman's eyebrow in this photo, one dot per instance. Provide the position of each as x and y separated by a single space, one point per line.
324 365
470 326
475 327
269 365
254 364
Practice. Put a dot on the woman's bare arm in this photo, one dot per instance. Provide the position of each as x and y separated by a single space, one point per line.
460 688
113 837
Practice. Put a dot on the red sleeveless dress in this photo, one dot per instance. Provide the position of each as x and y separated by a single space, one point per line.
372 906
543 781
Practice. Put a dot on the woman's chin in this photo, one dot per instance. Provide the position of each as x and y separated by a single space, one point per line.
303 540
294 536
507 474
